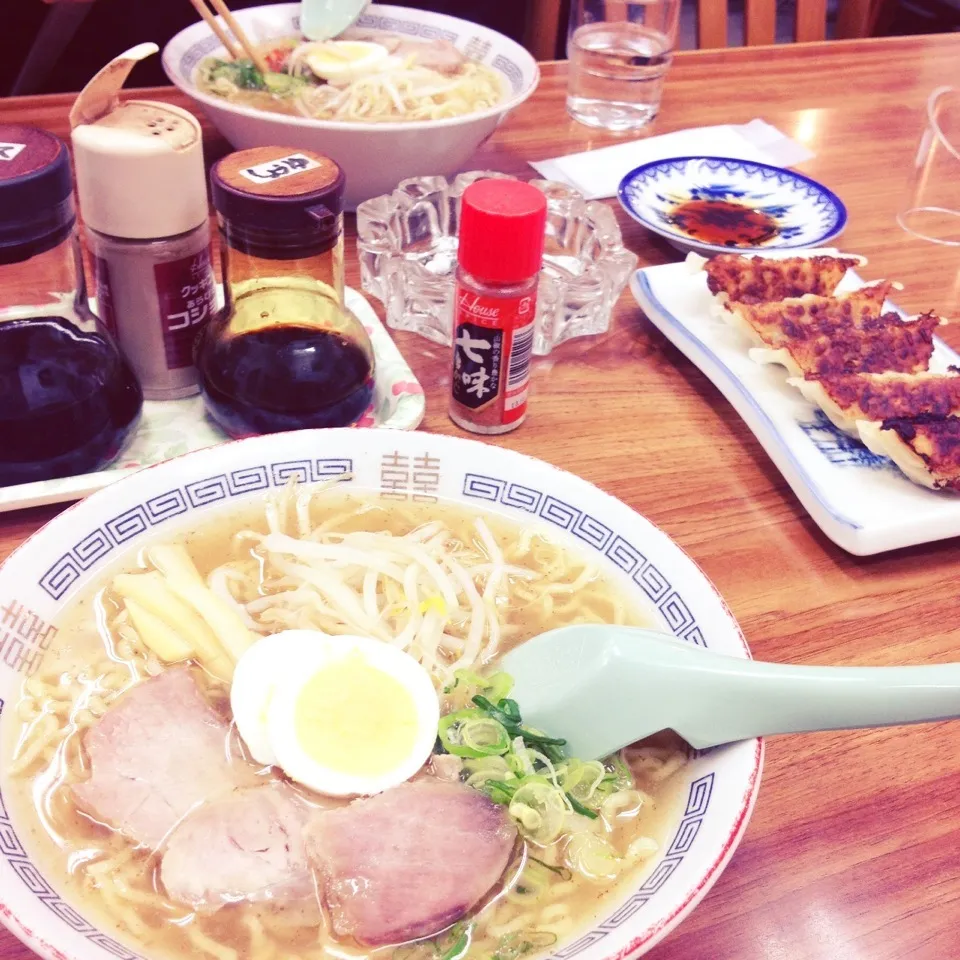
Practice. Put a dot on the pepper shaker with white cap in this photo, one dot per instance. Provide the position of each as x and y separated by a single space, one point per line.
142 191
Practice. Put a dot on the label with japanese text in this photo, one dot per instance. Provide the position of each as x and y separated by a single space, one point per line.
105 308
10 151
493 343
476 365
185 292
287 166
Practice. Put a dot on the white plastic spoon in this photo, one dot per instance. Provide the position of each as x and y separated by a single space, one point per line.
603 687
325 19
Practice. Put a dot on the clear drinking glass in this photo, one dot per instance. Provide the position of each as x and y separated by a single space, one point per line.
619 51
930 208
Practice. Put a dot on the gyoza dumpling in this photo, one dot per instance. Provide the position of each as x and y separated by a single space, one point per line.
774 324
886 343
926 449
848 398
731 276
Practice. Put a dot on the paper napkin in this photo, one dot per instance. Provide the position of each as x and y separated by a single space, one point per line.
597 173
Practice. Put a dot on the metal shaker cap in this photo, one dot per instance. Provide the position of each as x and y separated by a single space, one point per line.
139 163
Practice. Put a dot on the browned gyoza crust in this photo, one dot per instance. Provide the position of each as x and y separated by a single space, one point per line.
870 368
886 396
758 280
936 441
778 323
880 344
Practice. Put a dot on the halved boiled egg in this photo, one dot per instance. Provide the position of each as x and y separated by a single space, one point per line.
346 59
344 716
255 679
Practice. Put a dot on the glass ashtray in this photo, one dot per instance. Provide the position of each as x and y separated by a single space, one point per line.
407 241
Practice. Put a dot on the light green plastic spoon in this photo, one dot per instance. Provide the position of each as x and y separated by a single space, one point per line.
325 19
603 687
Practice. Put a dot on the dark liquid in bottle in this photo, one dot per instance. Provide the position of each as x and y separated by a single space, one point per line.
67 400
285 378
724 223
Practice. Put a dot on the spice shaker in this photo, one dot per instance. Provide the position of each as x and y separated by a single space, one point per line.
502 229
142 191
68 400
284 353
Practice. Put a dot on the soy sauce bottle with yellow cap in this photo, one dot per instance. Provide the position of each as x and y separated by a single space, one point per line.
284 353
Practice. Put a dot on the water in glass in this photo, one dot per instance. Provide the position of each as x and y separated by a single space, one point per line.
617 69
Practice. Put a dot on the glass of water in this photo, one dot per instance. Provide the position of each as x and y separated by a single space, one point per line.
930 208
620 51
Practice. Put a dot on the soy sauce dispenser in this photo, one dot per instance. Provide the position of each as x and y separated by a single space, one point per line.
284 353
68 400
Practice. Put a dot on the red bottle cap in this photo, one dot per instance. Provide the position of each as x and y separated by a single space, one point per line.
502 225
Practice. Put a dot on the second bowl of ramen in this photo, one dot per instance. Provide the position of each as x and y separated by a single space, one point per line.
414 94
172 771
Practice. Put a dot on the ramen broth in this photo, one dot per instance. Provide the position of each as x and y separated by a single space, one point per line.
364 77
117 885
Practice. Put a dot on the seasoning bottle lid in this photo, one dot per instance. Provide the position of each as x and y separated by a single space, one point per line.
36 192
278 189
139 163
502 227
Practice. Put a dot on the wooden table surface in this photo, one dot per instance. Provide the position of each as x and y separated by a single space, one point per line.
854 850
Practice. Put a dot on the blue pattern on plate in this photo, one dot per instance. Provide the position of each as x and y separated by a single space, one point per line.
840 448
806 212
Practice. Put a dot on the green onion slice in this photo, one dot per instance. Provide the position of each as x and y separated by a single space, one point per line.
578 807
539 810
472 734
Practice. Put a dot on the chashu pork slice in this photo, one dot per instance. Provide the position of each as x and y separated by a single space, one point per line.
247 846
774 324
158 751
886 344
409 862
731 276
926 449
847 398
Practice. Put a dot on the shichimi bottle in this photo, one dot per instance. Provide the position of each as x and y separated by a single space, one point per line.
502 226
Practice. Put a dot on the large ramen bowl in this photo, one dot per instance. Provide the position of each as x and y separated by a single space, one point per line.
97 536
374 156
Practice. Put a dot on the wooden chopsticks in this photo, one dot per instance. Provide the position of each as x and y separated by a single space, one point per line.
238 32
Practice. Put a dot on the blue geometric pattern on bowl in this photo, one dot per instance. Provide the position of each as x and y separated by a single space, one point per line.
806 213
680 621
176 502
14 853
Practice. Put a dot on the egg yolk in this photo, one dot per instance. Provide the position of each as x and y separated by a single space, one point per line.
355 719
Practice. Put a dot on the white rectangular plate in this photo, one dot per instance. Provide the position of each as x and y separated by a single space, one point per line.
172 427
860 500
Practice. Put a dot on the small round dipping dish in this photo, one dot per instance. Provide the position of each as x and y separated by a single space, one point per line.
716 205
